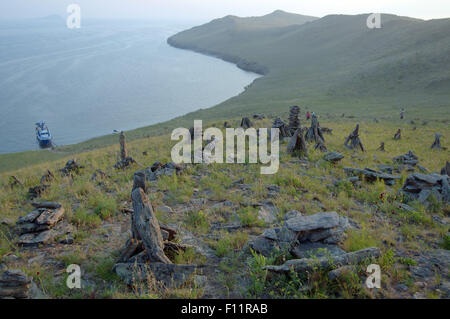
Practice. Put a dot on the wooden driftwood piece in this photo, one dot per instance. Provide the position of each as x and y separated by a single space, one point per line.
146 227
297 143
314 133
354 140
398 135
437 142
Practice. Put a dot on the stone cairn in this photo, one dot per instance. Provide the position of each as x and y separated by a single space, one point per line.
37 191
146 252
353 141
279 124
42 225
437 142
381 148
14 284
294 122
398 135
125 160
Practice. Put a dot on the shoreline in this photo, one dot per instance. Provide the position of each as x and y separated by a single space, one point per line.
241 63
27 158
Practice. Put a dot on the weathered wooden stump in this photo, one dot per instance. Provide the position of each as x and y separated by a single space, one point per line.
145 227
314 133
353 141
398 135
245 123
437 142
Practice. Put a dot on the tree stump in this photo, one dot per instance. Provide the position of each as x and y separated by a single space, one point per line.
123 147
146 228
297 143
314 133
437 142
381 148
353 141
398 135
245 123
446 169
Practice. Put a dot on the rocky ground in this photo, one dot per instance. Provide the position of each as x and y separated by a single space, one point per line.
309 231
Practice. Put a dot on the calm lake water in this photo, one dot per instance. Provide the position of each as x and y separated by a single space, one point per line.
105 76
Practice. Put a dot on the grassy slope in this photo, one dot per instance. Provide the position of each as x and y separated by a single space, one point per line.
93 207
333 65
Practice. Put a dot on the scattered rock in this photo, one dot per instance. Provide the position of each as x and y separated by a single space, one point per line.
15 284
308 264
371 175
164 209
420 186
168 275
409 159
126 162
326 227
71 167
157 170
333 157
41 226
311 250
341 271
267 212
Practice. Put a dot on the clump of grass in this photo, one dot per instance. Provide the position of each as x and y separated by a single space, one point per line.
82 217
249 217
230 242
197 221
103 205
360 239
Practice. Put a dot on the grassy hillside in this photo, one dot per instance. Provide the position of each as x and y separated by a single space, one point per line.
94 206
332 65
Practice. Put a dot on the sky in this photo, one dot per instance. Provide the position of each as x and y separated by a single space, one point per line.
206 10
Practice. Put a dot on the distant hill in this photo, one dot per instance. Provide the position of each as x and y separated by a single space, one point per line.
336 56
